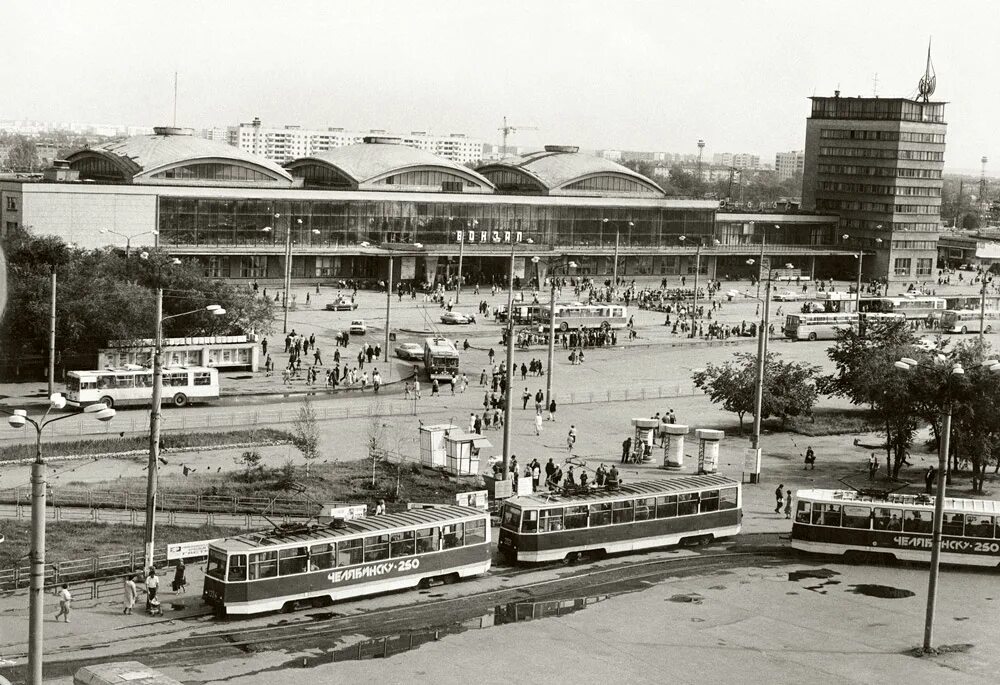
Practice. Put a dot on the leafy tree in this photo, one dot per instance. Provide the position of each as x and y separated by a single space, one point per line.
305 432
23 156
788 389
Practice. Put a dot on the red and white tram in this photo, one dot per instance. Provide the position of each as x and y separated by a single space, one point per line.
546 527
258 572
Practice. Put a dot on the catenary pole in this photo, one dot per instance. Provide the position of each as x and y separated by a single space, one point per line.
52 335
154 432
936 535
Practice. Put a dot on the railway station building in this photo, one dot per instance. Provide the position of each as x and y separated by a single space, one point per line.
350 211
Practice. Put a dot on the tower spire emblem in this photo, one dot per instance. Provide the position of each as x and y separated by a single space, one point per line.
928 82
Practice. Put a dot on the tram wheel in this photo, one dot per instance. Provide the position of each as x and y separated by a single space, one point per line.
571 558
320 602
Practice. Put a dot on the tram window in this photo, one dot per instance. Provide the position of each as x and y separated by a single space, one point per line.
666 506
376 547
687 504
291 561
237 567
857 517
216 566
978 526
550 520
575 517
888 519
349 552
322 557
645 509
453 535
802 515
826 514
953 524
914 522
263 565
600 514
621 512
475 532
728 498
529 524
709 501
402 544
427 540
511 518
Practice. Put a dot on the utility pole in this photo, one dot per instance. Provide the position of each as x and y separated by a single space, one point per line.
461 252
288 274
694 305
758 402
154 431
614 283
510 366
388 308
52 335
982 314
936 530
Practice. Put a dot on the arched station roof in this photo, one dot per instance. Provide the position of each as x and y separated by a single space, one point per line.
175 156
564 170
380 165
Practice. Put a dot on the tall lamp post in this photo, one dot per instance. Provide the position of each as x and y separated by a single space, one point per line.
552 324
288 266
154 417
860 256
946 391
17 419
461 253
614 266
697 272
128 240
982 310
508 375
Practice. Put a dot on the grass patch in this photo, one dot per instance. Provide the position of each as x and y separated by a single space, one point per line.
70 541
829 422
139 442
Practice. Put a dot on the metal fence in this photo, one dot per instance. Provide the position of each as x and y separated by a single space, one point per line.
166 501
137 517
75 570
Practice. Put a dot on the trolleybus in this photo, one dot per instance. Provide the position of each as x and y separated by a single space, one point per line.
319 564
824 326
440 358
134 386
966 320
547 527
897 526
923 308
576 315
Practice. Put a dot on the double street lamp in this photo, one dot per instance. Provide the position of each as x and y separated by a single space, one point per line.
552 323
860 256
288 265
508 375
128 239
614 267
18 418
697 272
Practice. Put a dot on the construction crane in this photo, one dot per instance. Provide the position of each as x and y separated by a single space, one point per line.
507 129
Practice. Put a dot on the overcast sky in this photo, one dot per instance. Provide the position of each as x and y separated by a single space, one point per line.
652 75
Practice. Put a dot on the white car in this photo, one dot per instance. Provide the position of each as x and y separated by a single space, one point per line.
786 296
358 326
409 351
457 318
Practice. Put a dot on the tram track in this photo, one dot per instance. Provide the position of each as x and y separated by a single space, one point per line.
323 628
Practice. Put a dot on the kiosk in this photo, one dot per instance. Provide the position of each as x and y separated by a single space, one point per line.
432 449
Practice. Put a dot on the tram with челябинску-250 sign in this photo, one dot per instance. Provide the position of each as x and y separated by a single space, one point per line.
896 526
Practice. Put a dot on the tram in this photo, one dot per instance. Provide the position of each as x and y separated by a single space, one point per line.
896 526
548 526
258 572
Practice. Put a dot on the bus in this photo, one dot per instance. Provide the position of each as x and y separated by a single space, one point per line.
895 526
440 358
134 386
923 308
959 302
320 564
523 314
824 326
966 320
549 526
576 315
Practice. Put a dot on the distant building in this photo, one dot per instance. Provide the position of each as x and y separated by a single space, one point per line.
877 163
788 164
285 143
737 160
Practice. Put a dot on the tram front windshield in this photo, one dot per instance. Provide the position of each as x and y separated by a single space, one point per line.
511 518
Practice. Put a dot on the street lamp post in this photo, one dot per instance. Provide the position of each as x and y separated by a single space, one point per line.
857 295
154 418
288 267
128 241
17 419
552 326
461 254
508 375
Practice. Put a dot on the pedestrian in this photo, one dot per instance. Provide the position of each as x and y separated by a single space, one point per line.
552 410
788 504
152 585
538 424
779 496
626 448
810 458
872 466
435 388
131 593
263 346
525 396
376 380
65 599
571 438
317 357
536 474
472 422
180 582
929 479
380 508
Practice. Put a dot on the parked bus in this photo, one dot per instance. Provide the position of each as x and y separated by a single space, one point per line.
134 386
523 314
825 326
440 358
576 315
922 308
640 515
959 302
320 564
967 320
896 526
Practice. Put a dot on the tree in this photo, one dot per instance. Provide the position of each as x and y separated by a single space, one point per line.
376 434
23 156
305 432
788 390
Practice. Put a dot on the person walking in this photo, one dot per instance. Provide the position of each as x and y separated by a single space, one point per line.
626 448
131 594
435 388
872 466
571 438
180 582
65 600
152 585
552 410
788 504
929 478
810 458
538 424
525 396
779 497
